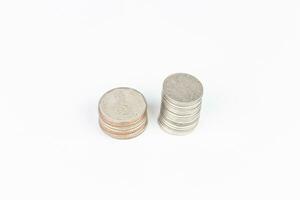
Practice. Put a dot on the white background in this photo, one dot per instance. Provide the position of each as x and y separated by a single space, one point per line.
57 57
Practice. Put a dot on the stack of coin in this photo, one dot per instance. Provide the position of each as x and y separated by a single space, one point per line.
181 103
123 113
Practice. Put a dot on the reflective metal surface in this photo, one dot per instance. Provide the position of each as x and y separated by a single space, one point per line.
181 103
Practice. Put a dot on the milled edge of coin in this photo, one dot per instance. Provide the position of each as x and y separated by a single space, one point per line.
123 124
179 126
124 130
182 104
174 113
184 120
171 131
195 104
125 136
181 112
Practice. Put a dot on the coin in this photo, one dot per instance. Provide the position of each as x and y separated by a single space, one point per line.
123 113
182 89
181 103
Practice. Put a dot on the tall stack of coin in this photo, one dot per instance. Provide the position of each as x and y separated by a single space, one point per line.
181 103
123 113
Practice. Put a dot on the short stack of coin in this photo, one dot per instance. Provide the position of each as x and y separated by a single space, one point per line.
123 113
181 103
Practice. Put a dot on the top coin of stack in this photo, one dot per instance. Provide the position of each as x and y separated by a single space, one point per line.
181 103
123 113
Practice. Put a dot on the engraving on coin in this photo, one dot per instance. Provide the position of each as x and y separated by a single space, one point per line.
123 113
181 103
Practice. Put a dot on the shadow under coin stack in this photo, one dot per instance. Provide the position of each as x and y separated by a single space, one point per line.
123 113
181 103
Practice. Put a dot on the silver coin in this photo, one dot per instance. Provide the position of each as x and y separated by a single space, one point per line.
182 88
181 103
123 113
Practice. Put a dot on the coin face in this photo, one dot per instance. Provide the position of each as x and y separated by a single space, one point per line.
122 105
183 88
